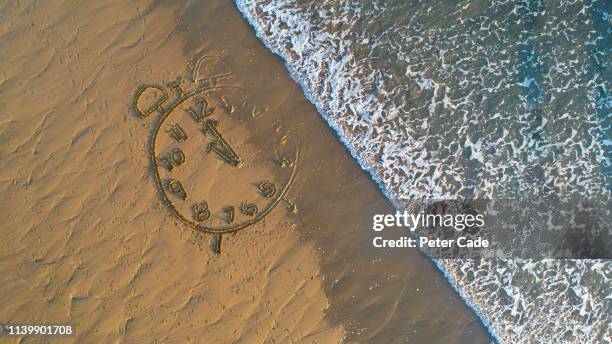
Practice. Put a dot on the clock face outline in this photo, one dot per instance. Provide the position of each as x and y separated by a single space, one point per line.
172 190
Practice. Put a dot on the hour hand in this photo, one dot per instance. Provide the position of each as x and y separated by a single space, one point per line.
219 146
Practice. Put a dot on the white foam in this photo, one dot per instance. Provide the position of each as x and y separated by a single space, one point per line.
413 145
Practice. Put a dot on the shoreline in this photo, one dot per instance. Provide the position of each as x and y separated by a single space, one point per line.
381 186
91 241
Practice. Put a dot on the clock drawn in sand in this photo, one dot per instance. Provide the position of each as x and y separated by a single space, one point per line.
219 168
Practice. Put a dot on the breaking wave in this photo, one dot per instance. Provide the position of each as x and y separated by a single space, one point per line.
452 99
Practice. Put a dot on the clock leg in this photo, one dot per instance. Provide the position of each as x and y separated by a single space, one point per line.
217 244
290 206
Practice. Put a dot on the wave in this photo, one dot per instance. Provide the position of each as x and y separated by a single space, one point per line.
454 100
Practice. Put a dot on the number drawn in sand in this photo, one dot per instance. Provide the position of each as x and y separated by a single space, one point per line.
217 167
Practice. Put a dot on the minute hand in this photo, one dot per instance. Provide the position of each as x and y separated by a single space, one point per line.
219 146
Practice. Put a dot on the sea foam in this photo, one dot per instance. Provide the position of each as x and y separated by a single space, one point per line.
463 100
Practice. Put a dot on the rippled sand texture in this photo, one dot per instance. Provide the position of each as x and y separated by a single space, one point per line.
86 239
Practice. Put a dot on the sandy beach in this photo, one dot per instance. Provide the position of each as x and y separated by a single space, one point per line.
88 240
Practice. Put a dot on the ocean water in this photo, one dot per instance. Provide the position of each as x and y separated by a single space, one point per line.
480 99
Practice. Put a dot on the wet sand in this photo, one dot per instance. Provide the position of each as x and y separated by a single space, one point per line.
88 240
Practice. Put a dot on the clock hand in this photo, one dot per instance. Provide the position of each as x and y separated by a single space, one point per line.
219 146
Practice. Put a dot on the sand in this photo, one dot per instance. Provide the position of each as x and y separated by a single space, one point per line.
88 240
